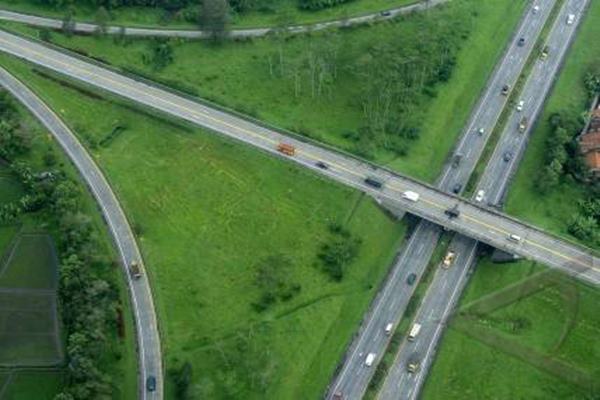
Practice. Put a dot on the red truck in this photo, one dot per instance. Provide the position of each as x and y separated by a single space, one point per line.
286 149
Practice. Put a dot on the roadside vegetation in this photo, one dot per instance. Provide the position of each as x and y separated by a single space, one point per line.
188 14
561 195
398 92
520 331
261 270
41 198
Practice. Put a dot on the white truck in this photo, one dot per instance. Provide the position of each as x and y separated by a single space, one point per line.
414 332
410 195
370 358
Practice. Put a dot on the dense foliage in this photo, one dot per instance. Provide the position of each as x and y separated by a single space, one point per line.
87 301
563 161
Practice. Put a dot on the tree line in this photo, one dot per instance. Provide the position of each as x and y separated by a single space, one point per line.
88 302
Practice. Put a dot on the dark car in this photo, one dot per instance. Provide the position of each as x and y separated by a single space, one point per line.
507 156
386 13
322 165
374 182
505 90
411 279
521 41
151 383
452 212
456 188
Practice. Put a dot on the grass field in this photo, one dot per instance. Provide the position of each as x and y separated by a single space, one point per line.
33 310
237 75
537 344
32 264
285 10
554 209
207 212
31 385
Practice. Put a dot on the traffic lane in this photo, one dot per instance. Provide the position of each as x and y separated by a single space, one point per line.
354 378
535 89
115 220
438 302
533 96
490 107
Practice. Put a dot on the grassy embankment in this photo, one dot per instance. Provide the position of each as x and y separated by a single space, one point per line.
208 212
527 345
285 10
237 75
559 323
28 262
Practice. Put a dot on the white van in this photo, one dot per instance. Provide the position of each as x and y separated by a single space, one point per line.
515 238
414 332
410 195
388 328
370 358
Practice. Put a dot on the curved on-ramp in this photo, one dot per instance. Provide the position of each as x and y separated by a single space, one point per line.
148 339
87 28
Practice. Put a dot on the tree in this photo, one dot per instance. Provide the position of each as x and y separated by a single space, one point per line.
182 377
160 54
68 25
215 18
101 18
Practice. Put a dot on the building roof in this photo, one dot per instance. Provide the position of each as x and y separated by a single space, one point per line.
592 159
589 141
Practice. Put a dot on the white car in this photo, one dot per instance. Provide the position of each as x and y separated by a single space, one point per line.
480 195
520 105
370 358
536 9
570 19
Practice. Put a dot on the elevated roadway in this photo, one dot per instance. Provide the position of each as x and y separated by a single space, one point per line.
481 223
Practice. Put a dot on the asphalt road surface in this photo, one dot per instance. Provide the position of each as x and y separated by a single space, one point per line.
481 223
389 305
148 340
447 285
83 27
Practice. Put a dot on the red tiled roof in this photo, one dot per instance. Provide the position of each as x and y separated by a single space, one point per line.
592 159
589 141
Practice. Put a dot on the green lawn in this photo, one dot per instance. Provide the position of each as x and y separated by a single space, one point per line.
533 345
554 209
32 264
237 75
208 211
34 385
283 10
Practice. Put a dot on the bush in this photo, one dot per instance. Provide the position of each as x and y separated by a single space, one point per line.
337 252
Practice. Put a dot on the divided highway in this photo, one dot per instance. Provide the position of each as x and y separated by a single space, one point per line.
88 28
390 304
483 224
447 284
148 340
